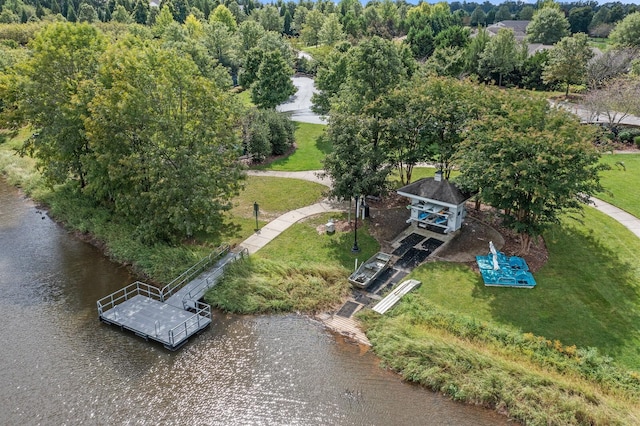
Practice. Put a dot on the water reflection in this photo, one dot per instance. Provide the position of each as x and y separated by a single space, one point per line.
62 366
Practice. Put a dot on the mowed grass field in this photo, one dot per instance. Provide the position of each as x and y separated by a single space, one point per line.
310 150
622 182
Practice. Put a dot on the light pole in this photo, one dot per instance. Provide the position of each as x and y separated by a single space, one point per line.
256 209
355 248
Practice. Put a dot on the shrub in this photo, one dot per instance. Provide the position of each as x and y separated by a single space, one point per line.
628 135
267 132
637 141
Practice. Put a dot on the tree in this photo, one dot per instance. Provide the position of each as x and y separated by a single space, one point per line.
627 32
478 17
310 32
611 64
568 61
331 31
503 13
220 44
273 84
532 162
548 26
64 59
454 36
349 165
222 14
121 15
164 143
500 54
616 99
474 51
425 121
526 14
270 19
332 73
580 18
249 33
141 12
267 132
87 13
374 69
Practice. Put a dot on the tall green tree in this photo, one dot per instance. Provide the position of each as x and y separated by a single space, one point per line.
222 14
331 31
532 162
627 32
500 54
64 60
273 81
568 61
331 74
310 32
548 26
164 143
374 69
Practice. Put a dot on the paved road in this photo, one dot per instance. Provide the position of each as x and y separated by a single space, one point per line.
586 116
299 105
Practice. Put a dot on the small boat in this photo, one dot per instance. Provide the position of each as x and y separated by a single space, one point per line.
370 270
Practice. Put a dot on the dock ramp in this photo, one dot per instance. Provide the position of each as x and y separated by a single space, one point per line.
394 297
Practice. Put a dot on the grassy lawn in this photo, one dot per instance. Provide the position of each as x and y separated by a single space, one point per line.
334 250
599 42
622 184
289 276
275 196
245 98
309 153
587 295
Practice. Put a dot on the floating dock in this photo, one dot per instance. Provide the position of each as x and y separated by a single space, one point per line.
174 313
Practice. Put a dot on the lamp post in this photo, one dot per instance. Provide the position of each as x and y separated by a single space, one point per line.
355 248
256 208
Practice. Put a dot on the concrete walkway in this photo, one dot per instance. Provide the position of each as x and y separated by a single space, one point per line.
310 175
629 221
274 228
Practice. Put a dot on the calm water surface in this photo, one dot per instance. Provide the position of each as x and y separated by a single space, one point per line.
60 365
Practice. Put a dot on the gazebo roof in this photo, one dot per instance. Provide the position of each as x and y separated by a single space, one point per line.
431 189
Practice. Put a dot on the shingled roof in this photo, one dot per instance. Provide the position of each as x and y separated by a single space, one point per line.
431 189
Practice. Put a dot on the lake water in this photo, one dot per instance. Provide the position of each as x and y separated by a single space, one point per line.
60 365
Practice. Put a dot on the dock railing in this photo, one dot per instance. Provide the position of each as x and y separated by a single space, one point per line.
133 289
191 273
210 281
191 324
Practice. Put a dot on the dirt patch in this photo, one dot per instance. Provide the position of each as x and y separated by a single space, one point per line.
538 254
340 226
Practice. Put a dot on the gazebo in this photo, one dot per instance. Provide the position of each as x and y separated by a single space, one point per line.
436 204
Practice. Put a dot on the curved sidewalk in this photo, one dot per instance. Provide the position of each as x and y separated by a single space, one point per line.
629 221
310 175
274 228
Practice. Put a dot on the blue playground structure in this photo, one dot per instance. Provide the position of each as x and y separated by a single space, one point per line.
500 270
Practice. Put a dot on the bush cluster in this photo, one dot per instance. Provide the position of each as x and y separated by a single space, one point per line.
267 132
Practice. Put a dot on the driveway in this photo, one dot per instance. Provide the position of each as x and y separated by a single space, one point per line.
299 105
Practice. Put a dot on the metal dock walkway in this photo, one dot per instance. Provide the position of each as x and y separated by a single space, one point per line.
174 313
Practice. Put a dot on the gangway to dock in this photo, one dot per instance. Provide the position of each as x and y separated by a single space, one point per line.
174 313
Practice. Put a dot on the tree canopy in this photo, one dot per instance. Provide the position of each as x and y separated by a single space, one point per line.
547 26
531 161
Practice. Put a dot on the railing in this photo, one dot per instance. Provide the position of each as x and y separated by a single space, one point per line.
211 279
191 324
127 293
188 275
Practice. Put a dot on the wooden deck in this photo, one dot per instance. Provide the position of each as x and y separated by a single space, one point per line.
152 319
